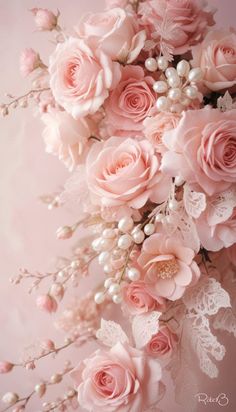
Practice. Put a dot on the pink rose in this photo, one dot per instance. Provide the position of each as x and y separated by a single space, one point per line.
29 61
162 343
216 56
45 19
115 32
66 137
169 266
202 149
188 21
156 126
123 379
138 300
81 77
131 101
125 172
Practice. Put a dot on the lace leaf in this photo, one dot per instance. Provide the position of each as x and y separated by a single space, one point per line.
225 320
144 327
225 103
221 206
111 333
194 202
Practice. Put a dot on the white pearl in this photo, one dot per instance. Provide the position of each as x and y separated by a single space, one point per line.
174 81
96 244
149 229
108 268
108 233
117 299
162 63
133 274
176 108
138 236
173 205
125 242
160 87
125 224
162 103
191 92
179 181
174 94
171 71
151 64
114 289
10 398
103 257
183 68
108 282
159 217
99 298
105 244
195 75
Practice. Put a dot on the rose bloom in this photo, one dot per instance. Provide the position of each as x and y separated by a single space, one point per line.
156 126
66 137
81 77
123 379
216 56
29 61
137 299
131 101
125 172
169 266
162 343
45 19
115 31
202 149
189 21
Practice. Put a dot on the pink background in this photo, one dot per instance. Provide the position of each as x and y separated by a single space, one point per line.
27 228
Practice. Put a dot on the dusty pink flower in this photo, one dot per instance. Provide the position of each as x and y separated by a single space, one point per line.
169 266
188 21
137 299
6 367
29 61
115 32
216 56
123 379
156 126
66 137
45 19
202 149
81 77
125 171
162 343
47 303
131 101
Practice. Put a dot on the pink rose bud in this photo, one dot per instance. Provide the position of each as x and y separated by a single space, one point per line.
40 389
10 398
64 232
6 367
45 19
47 303
57 290
48 345
29 61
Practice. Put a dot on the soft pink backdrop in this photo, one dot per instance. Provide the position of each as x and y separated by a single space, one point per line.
27 228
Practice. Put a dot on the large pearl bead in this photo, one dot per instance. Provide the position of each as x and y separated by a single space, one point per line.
103 257
195 75
133 274
117 299
149 229
174 94
125 224
183 68
114 289
171 71
138 236
162 103
191 92
162 63
151 64
160 87
99 298
174 81
124 242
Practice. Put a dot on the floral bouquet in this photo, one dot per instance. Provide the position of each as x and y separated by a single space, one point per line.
138 102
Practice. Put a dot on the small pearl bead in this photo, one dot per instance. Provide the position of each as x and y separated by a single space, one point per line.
160 87
108 233
183 68
117 299
162 63
151 64
195 75
99 298
174 94
174 81
108 282
108 268
133 274
173 205
149 229
125 242
125 224
171 71
96 244
179 181
138 236
114 289
103 257
191 92
159 217
162 103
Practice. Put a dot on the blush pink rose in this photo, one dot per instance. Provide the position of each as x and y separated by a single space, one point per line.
80 77
45 19
162 343
115 32
138 300
216 56
125 172
169 266
189 21
29 61
66 137
156 126
123 379
202 149
131 101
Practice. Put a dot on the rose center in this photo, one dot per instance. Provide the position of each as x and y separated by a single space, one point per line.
166 269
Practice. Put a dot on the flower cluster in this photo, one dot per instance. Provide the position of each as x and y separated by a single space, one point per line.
138 103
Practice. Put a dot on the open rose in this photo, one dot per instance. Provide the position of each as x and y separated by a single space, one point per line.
216 56
202 149
80 77
125 172
169 266
115 32
121 380
162 343
137 299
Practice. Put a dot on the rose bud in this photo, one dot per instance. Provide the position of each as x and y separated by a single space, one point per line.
6 367
45 19
64 232
47 303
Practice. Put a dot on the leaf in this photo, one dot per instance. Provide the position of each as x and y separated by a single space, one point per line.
225 320
194 202
220 206
144 327
111 333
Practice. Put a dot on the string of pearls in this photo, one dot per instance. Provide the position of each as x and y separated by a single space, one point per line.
176 87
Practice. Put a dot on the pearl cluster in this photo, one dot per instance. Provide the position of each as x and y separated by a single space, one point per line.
177 87
114 247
